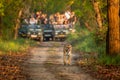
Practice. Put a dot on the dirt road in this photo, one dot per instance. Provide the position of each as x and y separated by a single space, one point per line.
46 63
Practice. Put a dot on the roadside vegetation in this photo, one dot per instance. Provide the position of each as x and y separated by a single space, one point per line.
15 46
93 52
86 41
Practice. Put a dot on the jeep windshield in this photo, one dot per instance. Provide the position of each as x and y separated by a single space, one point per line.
60 27
34 26
48 26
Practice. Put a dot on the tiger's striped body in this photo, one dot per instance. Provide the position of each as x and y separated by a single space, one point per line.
67 51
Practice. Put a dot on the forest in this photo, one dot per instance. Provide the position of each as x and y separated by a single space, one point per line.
97 28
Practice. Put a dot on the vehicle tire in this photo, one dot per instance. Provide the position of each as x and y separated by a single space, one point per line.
62 39
44 39
53 38
47 39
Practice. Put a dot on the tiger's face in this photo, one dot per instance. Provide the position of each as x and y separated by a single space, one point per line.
67 49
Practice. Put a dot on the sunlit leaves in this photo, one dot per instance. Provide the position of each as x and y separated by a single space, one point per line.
1 8
78 13
53 6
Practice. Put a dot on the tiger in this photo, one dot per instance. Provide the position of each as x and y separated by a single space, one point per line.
67 54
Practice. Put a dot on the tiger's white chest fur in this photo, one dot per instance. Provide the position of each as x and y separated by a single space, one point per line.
68 52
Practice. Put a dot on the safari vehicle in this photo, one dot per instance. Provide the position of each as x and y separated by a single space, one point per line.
48 31
61 32
22 31
31 31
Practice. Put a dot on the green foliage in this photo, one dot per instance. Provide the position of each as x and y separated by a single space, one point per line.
78 13
52 6
85 13
1 8
10 10
85 41
109 60
15 45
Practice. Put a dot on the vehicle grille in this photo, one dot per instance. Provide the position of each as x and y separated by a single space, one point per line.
33 32
47 32
61 32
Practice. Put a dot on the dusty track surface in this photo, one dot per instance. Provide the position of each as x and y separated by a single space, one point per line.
46 63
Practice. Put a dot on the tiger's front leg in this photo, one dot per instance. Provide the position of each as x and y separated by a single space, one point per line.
69 59
64 59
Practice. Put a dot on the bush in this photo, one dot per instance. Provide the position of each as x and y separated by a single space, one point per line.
109 60
85 41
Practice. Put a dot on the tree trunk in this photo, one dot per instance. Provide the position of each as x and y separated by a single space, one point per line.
88 26
0 26
98 14
17 24
113 29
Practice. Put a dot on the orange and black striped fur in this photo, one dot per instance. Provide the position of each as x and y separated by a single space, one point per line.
67 51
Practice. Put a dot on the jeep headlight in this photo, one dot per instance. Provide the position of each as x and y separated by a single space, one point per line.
56 33
39 33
